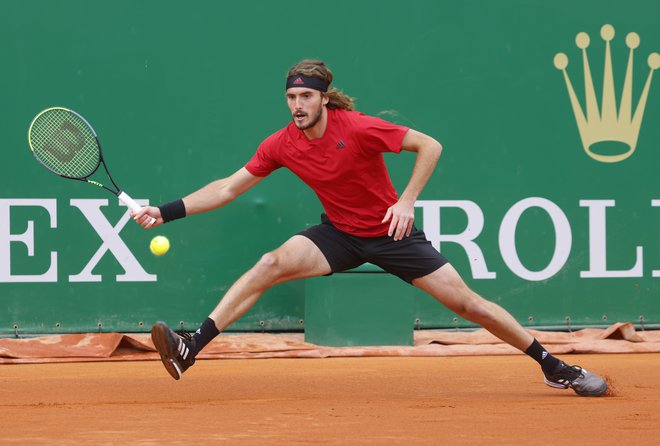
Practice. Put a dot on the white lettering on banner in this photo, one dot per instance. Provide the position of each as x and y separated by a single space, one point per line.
563 238
656 272
475 224
598 244
91 209
431 209
27 238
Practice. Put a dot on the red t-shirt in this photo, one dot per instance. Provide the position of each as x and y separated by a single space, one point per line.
345 167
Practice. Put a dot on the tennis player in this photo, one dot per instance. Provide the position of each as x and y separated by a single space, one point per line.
338 152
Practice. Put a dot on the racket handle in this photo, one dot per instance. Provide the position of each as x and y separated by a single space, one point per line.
132 204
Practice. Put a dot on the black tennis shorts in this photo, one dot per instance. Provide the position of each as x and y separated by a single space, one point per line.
408 258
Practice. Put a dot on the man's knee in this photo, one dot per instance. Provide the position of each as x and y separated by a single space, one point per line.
269 267
268 261
476 309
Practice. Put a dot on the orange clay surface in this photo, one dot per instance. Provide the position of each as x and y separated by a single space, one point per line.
349 401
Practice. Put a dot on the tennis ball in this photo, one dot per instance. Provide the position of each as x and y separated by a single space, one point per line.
159 245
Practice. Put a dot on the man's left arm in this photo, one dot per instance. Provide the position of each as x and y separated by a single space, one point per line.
402 213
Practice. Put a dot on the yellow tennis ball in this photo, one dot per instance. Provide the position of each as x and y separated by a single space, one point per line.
159 245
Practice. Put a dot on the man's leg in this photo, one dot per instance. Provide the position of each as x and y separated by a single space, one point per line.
448 288
297 258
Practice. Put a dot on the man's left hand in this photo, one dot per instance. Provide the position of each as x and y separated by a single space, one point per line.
402 215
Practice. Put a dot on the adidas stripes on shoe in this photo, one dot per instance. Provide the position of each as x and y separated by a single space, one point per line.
175 349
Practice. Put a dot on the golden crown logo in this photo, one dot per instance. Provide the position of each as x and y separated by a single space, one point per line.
606 125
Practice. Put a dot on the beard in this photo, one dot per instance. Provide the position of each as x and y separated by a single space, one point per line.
315 118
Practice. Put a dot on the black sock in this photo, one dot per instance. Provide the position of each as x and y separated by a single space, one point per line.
548 362
204 334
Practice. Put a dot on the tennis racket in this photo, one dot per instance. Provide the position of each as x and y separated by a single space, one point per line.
67 145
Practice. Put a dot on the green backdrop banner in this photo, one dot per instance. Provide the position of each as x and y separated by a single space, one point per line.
546 197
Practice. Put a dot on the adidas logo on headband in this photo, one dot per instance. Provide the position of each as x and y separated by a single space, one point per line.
300 80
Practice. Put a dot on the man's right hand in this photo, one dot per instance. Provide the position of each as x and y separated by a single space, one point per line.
145 216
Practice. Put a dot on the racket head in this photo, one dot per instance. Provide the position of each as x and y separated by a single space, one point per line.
65 143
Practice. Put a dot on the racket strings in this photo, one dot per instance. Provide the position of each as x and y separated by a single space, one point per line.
65 144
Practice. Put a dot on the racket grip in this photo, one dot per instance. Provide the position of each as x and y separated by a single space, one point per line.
132 204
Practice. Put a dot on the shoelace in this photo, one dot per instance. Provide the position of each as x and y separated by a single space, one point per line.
184 334
578 371
569 374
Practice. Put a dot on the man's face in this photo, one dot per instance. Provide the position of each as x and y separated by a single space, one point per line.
306 106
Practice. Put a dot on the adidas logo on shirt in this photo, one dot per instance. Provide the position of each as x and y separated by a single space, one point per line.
341 144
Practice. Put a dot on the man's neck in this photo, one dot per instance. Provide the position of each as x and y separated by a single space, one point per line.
319 129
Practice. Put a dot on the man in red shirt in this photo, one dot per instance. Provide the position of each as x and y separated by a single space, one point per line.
338 153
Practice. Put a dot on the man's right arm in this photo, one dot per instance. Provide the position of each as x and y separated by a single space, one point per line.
212 196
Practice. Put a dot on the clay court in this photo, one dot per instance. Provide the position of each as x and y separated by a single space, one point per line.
352 401
521 137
